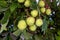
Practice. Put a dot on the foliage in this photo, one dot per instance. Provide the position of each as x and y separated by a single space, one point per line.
11 12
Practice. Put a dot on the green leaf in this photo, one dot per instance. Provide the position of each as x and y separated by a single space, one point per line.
6 17
3 3
27 35
58 32
38 37
45 24
17 32
13 6
20 6
57 37
3 27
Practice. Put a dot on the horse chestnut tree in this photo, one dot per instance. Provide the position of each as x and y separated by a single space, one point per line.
29 20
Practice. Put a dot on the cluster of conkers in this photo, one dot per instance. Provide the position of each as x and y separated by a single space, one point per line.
31 21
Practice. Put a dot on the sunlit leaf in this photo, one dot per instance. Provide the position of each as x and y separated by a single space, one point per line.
57 37
3 27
